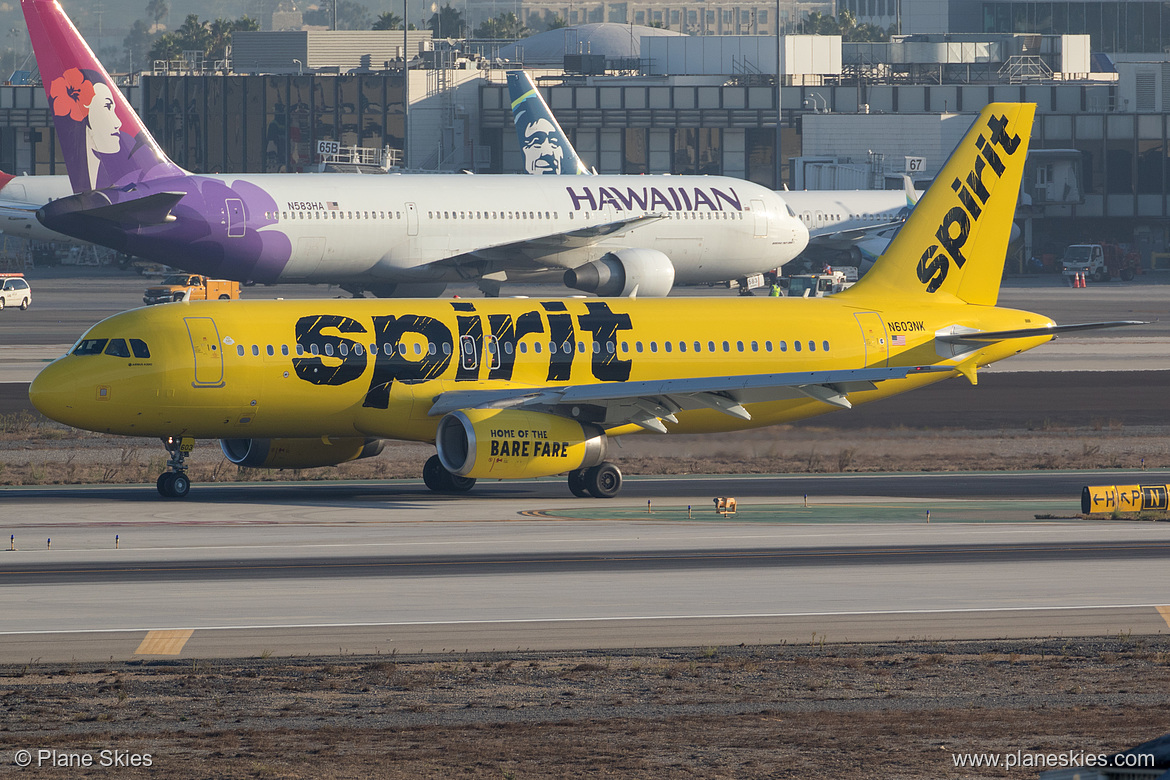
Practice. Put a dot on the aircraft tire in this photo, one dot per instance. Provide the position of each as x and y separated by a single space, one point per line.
180 485
459 484
577 484
603 480
164 484
434 474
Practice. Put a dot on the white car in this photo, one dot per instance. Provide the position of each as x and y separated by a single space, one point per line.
14 292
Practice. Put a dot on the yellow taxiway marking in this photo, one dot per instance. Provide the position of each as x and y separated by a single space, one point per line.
1165 613
164 642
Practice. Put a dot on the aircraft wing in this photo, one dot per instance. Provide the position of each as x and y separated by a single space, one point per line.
647 403
19 207
843 239
534 250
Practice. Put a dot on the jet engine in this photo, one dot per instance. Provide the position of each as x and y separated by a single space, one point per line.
297 453
510 444
621 273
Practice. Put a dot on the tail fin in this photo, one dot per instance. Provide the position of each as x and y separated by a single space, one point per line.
102 139
546 149
911 193
955 241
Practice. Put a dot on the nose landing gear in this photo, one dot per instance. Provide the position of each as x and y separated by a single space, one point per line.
175 483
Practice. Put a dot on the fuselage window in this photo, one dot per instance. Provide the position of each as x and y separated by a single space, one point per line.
739 346
653 346
240 350
431 348
783 346
682 346
536 347
698 346
596 347
667 346
812 346
552 348
387 350
401 349
138 346
271 351
256 350
609 347
343 349
328 350
118 348
638 346
625 346
755 346
710 346
508 347
300 350
313 350
284 349
825 346
726 347
417 348
581 346
523 348
796 345
358 350
767 346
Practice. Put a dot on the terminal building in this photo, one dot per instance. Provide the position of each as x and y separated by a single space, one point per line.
785 111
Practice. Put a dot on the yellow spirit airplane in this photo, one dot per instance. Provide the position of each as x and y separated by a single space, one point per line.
517 388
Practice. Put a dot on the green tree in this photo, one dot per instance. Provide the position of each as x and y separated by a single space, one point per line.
388 21
505 26
554 21
157 10
211 38
137 45
350 15
447 23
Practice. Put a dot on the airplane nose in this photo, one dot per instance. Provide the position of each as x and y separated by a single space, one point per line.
53 394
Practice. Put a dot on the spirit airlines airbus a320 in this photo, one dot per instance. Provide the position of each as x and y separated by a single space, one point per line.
515 388
383 234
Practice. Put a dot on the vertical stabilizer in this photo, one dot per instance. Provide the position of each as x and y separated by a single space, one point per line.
545 148
102 139
955 241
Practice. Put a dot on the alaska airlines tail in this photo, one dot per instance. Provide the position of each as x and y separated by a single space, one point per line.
102 139
955 241
545 148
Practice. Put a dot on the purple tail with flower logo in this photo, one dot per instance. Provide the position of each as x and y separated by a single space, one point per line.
102 139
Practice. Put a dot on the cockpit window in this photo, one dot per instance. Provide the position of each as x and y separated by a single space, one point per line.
140 348
90 347
118 348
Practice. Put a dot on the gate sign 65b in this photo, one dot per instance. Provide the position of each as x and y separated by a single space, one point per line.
328 147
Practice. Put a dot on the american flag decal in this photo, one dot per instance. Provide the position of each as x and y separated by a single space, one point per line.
331 204
898 341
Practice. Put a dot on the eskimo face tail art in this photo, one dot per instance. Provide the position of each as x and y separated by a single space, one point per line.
101 137
546 150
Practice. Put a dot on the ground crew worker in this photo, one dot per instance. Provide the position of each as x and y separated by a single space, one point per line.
775 292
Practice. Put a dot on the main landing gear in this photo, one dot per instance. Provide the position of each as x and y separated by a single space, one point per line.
601 481
175 483
440 480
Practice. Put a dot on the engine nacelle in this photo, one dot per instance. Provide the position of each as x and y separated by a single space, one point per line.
620 273
297 453
510 444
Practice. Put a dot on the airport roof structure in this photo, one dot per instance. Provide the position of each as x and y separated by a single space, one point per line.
613 41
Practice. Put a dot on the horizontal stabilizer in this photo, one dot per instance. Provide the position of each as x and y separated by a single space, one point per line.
150 210
1026 333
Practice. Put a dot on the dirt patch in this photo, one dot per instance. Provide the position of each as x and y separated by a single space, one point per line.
891 710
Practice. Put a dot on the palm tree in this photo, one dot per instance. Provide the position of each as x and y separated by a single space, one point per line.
388 21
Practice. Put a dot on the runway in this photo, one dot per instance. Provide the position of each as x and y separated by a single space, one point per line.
292 569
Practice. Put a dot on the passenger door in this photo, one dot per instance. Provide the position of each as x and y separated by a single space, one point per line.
873 334
205 345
